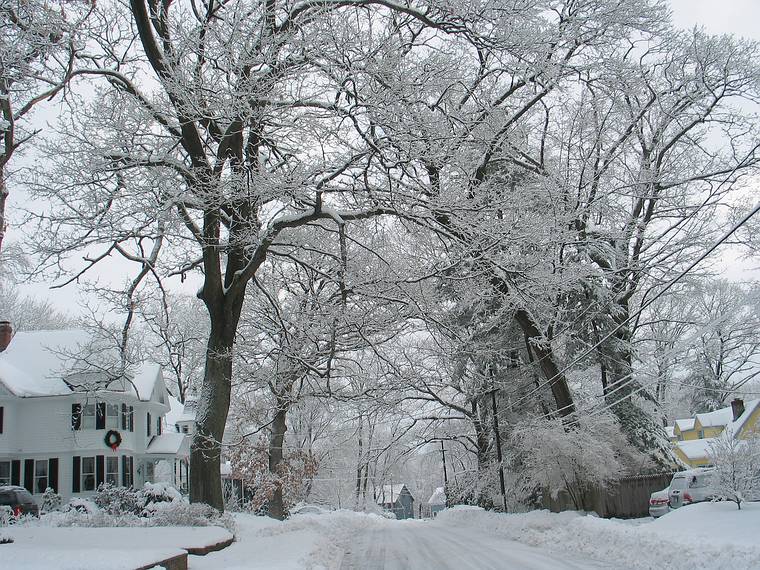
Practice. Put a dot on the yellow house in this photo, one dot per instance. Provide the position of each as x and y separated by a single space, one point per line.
684 430
739 419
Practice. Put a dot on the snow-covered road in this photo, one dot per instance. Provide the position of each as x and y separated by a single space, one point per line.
423 545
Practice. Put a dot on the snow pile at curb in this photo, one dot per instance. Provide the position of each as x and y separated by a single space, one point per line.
702 544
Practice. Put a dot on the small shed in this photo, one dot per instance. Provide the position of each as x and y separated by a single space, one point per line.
397 499
437 501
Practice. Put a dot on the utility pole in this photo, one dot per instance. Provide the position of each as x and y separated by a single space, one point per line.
445 476
498 449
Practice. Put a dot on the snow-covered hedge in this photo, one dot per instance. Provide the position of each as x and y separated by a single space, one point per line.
157 504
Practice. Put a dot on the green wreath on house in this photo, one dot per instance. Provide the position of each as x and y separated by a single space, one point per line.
112 439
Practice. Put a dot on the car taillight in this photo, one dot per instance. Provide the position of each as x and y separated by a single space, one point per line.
16 511
687 497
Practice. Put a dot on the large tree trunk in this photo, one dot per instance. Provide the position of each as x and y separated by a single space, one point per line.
542 349
276 455
641 429
3 199
214 404
205 455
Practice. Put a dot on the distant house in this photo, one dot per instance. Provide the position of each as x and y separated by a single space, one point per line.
437 501
74 426
695 435
396 499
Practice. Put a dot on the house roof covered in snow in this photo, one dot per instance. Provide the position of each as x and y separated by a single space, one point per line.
700 448
685 424
695 448
389 493
438 497
188 410
718 418
54 363
171 443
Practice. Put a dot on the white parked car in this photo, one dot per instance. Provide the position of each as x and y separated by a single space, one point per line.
692 486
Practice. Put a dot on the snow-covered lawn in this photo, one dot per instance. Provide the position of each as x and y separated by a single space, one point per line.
264 544
115 548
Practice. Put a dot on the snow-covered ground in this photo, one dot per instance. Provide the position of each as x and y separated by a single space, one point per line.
712 536
115 548
709 536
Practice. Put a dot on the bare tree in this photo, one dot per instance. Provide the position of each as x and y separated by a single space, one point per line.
249 126
38 49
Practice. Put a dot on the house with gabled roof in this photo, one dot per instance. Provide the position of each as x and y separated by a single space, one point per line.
70 422
437 501
739 421
396 499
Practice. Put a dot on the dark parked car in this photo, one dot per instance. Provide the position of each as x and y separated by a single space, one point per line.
19 500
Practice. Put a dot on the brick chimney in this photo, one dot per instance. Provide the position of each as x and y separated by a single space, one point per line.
737 407
6 334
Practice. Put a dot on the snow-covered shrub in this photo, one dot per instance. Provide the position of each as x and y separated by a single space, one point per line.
472 488
548 454
737 468
156 493
182 513
4 539
6 514
118 500
79 505
51 501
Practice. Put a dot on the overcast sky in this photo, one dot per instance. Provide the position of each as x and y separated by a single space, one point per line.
741 17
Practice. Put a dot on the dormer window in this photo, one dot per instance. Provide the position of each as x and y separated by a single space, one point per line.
88 416
112 416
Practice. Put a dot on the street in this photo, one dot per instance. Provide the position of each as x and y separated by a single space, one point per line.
422 545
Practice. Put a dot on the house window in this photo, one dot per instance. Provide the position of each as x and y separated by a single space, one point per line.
112 470
40 475
88 474
88 416
150 471
127 465
112 416
701 434
185 429
149 424
131 418
5 473
158 425
1 419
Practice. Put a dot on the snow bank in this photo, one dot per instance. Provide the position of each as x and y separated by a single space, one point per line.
707 536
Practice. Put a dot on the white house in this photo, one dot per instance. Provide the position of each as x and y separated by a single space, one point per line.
66 423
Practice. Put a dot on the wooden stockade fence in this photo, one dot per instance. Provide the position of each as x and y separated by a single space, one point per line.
625 498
